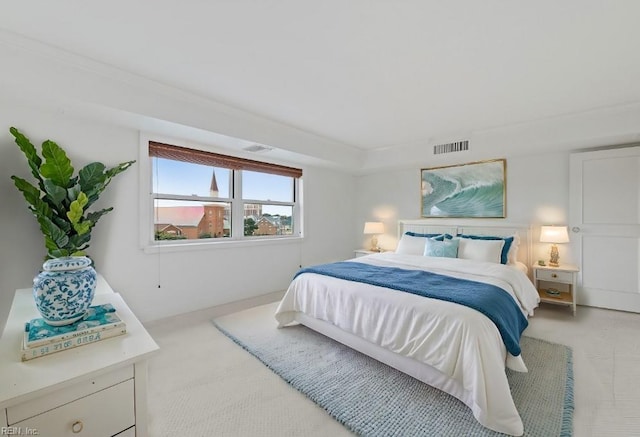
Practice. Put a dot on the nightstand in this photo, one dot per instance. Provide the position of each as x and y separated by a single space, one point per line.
362 252
98 389
557 285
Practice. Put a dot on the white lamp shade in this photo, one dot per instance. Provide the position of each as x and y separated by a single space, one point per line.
554 234
374 228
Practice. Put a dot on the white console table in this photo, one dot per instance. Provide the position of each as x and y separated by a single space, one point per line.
93 390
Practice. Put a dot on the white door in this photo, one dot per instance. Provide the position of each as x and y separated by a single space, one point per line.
605 226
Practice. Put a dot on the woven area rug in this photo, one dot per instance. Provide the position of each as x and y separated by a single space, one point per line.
373 399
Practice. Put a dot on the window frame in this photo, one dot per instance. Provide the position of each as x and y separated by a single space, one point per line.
237 238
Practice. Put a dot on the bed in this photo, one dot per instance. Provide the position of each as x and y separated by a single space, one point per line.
459 349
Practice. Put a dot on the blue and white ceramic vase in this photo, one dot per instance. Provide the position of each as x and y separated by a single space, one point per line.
63 291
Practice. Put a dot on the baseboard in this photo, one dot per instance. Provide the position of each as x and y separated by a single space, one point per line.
218 310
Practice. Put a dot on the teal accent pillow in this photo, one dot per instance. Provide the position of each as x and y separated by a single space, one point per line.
443 249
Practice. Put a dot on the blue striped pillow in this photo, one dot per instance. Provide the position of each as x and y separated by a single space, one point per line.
439 237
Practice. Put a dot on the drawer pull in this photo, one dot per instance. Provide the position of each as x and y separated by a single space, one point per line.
77 426
554 275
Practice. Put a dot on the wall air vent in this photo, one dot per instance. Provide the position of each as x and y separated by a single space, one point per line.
459 146
257 148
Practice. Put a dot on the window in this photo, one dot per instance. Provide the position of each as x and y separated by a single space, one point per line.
199 195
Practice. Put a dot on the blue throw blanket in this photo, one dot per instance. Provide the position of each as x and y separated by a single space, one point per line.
490 300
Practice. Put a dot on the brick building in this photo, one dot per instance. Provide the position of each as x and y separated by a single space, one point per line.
267 225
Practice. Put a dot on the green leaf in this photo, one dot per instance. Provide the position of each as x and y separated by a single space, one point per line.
35 171
62 223
79 253
43 209
95 216
91 176
53 232
119 168
49 244
25 145
76 209
83 227
56 193
57 166
58 253
79 241
72 193
92 196
27 148
31 194
94 192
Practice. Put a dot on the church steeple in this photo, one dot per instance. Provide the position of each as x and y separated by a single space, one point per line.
213 190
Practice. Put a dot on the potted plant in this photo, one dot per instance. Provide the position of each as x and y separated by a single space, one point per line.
60 203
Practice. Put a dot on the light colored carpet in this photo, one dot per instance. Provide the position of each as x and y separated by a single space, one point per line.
201 384
227 392
373 399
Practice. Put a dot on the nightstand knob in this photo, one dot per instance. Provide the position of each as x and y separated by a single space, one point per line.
77 426
554 275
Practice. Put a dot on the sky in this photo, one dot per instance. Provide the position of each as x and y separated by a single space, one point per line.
183 178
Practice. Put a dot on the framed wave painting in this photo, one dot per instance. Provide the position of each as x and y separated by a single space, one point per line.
476 189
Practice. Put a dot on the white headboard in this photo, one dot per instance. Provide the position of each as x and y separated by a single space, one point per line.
428 227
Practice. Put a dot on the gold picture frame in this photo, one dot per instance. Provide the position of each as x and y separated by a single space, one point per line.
472 190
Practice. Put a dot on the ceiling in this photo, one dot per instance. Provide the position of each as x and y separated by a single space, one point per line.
363 73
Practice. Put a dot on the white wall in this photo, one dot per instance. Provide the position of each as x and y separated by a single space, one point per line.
53 94
537 194
156 285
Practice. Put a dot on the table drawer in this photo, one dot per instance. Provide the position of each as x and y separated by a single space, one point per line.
556 276
104 413
42 404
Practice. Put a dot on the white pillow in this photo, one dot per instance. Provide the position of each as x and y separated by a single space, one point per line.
480 250
410 245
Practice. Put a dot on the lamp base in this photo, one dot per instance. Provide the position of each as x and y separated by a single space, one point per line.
555 257
374 244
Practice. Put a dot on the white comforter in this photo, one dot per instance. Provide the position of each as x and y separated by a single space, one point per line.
458 341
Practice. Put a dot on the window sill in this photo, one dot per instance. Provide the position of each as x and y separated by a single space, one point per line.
216 245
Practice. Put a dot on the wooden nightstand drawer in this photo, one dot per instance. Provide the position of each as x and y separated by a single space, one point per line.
555 276
104 413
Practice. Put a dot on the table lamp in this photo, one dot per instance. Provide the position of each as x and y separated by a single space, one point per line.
554 235
374 229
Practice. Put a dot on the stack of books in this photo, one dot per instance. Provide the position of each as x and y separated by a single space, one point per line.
100 322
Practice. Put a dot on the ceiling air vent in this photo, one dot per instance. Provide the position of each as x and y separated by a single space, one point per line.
459 146
257 148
